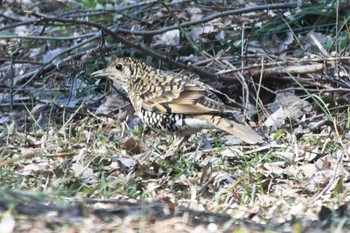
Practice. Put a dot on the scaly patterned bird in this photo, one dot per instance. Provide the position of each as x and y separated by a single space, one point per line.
167 102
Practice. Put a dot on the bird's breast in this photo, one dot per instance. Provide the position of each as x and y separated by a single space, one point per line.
174 123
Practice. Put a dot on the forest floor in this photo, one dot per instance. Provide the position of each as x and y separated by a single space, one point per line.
75 158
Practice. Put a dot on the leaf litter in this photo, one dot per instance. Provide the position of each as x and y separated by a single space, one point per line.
72 153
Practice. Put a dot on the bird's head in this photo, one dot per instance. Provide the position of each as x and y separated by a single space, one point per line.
121 70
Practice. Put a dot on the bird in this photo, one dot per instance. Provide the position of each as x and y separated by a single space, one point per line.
171 103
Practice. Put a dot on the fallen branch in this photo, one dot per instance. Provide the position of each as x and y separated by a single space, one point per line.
300 69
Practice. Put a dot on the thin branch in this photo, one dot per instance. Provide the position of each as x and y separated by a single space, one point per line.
46 37
128 43
11 83
21 61
11 26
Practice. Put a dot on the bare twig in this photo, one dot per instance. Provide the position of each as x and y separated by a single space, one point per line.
46 37
11 84
245 89
301 69
18 61
11 26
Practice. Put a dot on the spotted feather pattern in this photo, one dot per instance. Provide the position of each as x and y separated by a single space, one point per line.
170 103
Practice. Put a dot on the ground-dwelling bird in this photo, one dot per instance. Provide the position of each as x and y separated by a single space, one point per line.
167 102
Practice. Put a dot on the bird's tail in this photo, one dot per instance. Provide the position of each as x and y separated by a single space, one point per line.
238 130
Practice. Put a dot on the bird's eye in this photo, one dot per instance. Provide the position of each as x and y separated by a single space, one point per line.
119 66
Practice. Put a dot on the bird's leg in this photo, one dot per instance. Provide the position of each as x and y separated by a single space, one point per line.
176 144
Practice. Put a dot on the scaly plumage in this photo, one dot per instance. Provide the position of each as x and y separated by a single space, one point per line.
169 103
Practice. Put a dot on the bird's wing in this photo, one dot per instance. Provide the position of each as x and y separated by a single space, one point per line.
176 95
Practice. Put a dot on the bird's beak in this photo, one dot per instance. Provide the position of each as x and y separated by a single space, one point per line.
101 73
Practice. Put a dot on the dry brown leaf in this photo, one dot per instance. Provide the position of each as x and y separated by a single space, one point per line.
134 145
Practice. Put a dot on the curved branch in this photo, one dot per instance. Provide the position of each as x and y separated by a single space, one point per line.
130 44
19 24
